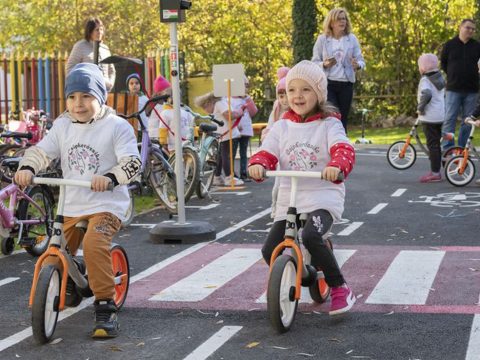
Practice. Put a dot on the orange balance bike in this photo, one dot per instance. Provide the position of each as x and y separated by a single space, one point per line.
401 155
460 169
290 267
47 296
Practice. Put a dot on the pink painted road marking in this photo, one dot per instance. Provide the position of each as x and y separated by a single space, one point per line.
455 288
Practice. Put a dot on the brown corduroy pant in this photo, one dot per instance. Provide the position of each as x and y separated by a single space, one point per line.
96 249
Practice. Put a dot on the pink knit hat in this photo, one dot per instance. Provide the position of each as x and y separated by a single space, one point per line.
160 84
313 75
281 74
427 62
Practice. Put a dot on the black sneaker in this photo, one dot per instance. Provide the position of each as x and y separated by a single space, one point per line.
106 323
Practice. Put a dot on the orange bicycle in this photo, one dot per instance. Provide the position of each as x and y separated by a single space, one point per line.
460 169
47 295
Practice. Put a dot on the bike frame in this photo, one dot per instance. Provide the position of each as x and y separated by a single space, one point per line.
413 134
57 247
469 148
291 232
7 215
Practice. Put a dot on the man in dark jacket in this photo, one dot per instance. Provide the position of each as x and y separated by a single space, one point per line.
459 60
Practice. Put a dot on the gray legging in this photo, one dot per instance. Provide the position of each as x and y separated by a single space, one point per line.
317 225
223 162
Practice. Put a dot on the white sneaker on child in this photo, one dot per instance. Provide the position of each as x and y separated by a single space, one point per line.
236 181
218 181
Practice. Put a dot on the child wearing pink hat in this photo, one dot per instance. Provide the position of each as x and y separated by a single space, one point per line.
309 137
280 106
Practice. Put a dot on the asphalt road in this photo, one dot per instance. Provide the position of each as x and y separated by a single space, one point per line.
409 251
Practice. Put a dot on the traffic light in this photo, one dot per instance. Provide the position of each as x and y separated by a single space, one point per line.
173 10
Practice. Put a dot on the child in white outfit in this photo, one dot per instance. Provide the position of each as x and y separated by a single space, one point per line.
309 138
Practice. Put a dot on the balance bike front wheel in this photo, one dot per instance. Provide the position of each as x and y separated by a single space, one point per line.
45 304
121 273
454 173
281 302
399 161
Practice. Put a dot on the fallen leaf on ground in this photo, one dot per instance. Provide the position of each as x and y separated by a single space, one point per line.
305 354
390 313
252 344
141 344
55 341
280 348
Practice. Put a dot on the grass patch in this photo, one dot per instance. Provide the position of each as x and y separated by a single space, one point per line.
145 202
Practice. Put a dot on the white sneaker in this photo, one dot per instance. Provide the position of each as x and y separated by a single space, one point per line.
218 181
236 181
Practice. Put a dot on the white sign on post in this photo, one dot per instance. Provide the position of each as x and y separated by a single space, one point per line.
221 75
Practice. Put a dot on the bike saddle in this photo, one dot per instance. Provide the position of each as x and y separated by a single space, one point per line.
12 163
208 128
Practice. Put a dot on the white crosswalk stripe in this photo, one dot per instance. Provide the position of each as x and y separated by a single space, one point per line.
202 283
408 279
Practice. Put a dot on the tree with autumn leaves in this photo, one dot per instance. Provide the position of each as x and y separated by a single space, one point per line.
261 34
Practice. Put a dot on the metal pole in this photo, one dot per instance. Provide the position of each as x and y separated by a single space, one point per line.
176 116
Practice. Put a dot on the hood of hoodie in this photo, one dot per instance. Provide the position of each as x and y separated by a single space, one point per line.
436 78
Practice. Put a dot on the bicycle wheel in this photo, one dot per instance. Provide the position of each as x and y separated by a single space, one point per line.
121 272
163 181
208 170
453 168
401 162
130 212
8 151
451 152
35 237
191 173
281 302
45 304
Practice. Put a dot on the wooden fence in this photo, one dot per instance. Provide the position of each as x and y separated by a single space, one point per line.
29 81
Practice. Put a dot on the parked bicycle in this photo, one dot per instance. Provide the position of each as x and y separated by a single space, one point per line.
208 149
48 292
156 171
28 218
401 155
460 169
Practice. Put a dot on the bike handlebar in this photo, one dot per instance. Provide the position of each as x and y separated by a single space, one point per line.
14 134
68 182
209 117
304 174
149 101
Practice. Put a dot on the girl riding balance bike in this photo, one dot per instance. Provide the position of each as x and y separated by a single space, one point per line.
310 137
97 146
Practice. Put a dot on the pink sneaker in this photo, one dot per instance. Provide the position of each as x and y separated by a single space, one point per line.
342 300
430 177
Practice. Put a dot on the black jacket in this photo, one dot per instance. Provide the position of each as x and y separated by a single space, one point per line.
459 61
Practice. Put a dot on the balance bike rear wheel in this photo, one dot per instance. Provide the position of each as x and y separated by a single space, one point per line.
451 152
281 302
401 163
45 304
121 272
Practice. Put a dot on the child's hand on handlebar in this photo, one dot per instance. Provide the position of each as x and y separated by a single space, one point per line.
100 183
256 172
23 177
331 173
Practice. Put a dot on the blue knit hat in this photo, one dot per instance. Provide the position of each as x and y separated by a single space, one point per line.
86 78
133 76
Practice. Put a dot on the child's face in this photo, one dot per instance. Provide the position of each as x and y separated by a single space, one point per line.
283 100
301 98
133 86
82 106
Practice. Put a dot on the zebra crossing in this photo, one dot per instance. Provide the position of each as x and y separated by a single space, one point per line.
384 278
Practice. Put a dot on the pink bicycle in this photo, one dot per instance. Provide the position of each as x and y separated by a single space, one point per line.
28 218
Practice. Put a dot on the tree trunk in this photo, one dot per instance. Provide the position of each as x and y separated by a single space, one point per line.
304 16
